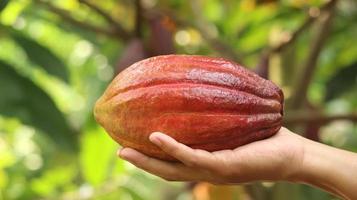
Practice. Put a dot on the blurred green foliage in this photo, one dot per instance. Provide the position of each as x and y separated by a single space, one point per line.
52 69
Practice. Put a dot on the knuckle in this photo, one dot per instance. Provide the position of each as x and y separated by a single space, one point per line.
223 170
169 174
224 174
221 181
143 163
171 149
145 159
192 161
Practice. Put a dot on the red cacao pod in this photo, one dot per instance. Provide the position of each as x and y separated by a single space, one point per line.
206 103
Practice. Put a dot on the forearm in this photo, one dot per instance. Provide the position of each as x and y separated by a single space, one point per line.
329 168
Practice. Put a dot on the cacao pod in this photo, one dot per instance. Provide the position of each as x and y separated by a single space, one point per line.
206 103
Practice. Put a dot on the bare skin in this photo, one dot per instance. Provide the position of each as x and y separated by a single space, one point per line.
284 157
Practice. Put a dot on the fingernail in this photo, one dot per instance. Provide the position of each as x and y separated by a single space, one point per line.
155 139
121 153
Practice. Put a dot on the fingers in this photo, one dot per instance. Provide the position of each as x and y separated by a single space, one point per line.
198 165
166 170
190 157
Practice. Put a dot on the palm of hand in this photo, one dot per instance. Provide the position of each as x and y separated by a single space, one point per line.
275 158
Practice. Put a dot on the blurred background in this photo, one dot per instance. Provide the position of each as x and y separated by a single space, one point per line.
57 57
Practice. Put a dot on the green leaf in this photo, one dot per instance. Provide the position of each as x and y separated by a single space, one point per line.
342 81
96 164
3 4
41 56
22 99
53 179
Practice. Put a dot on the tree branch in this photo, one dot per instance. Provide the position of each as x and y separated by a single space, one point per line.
313 14
218 45
310 117
222 48
118 28
263 66
308 21
310 65
138 18
66 16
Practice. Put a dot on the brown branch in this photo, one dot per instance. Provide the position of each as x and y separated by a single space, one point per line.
308 117
66 16
201 24
310 65
308 21
263 66
118 28
313 14
222 48
138 18
101 12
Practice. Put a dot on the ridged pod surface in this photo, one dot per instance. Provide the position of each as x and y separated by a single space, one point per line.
206 103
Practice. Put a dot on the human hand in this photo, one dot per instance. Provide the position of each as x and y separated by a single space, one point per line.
276 158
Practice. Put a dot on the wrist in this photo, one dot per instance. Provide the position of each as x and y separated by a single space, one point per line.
327 168
307 161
